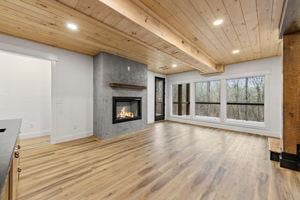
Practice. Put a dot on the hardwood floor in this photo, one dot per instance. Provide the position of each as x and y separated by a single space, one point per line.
167 161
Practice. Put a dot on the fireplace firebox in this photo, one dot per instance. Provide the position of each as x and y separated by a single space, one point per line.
126 109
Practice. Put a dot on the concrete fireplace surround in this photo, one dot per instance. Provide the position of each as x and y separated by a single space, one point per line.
114 69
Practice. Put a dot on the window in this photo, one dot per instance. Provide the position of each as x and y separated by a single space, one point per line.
245 98
207 99
181 99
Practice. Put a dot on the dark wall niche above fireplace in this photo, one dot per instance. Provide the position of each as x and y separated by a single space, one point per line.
126 109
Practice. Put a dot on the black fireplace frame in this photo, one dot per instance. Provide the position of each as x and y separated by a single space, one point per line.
115 120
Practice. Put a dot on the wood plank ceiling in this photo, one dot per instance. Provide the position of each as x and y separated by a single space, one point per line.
249 25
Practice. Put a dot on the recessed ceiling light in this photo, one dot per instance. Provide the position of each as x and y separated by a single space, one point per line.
235 51
72 26
174 65
218 22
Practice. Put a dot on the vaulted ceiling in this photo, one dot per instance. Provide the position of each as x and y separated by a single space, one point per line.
160 33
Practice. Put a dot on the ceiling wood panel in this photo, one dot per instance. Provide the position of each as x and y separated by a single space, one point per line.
44 21
190 22
192 30
276 17
178 24
236 16
249 25
149 31
252 26
204 10
264 17
204 15
220 12
140 33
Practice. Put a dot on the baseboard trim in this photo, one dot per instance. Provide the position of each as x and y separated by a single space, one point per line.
34 134
224 127
71 137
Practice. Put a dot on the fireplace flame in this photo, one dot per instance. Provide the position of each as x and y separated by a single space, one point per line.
125 114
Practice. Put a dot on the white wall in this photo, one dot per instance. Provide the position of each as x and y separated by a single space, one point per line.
150 94
271 67
72 87
25 92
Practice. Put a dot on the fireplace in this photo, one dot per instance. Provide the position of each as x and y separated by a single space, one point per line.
126 109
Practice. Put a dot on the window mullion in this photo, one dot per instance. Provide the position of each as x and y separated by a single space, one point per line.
223 100
207 96
187 100
192 100
180 99
247 101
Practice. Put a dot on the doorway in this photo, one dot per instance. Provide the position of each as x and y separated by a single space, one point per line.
25 91
159 98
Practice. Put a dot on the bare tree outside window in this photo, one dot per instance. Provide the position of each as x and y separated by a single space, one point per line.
245 98
207 98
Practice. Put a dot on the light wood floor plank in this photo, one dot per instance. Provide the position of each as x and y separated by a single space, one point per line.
167 161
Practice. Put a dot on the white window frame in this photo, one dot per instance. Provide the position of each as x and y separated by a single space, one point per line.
223 120
171 102
245 123
207 118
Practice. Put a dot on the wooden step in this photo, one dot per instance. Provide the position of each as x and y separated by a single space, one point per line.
274 145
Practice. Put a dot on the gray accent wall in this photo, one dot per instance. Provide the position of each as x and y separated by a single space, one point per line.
108 69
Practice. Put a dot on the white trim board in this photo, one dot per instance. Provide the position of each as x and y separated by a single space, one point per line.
256 131
71 137
34 134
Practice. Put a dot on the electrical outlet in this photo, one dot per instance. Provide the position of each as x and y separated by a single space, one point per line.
75 127
31 125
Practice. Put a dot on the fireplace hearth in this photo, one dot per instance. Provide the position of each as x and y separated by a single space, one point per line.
126 109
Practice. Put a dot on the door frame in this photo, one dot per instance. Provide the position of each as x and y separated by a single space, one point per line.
30 52
162 117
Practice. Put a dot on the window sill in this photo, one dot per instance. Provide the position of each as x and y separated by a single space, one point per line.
248 124
181 116
207 119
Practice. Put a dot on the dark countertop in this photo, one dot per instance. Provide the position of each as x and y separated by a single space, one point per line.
8 141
